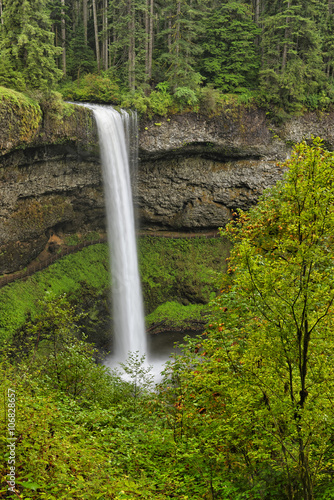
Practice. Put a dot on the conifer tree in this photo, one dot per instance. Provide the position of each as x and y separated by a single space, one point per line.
184 29
81 59
230 59
27 45
292 63
129 40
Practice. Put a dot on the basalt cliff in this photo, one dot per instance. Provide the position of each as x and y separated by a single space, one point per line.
194 170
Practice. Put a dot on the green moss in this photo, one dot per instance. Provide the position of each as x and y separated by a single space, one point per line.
43 118
20 115
176 315
180 269
19 300
180 272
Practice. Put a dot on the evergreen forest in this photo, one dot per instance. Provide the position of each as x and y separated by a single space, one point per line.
173 55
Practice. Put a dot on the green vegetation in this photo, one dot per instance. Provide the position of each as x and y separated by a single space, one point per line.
171 269
92 88
181 268
20 300
245 413
177 316
27 46
159 57
64 417
22 115
230 59
257 396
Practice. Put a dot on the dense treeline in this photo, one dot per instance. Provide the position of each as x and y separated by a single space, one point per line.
279 51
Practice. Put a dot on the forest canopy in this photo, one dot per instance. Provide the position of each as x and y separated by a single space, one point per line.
279 53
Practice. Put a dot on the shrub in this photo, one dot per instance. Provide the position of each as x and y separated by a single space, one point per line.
136 100
160 103
92 88
209 100
185 97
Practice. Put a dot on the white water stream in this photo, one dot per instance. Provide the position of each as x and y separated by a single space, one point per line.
128 313
118 138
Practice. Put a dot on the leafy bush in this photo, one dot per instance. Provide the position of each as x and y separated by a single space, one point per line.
136 100
210 100
11 78
160 103
318 101
185 97
92 88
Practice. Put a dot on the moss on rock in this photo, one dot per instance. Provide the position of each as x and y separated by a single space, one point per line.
20 119
44 119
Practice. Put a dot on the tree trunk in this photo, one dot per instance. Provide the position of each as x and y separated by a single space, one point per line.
96 36
147 35
1 12
63 35
150 43
114 36
330 7
169 39
257 11
178 30
306 482
286 41
105 34
131 54
76 15
149 38
85 19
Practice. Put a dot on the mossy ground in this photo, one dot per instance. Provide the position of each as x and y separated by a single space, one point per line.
179 275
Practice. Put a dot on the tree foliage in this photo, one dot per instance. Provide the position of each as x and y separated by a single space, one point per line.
281 51
246 412
231 60
27 45
259 395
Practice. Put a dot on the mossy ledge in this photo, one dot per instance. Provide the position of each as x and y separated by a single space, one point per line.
26 122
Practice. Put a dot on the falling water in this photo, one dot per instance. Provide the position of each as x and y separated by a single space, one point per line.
115 150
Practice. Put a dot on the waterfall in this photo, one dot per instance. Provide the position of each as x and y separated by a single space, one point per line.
116 152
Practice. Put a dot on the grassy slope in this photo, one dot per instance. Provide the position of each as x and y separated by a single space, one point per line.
20 299
177 271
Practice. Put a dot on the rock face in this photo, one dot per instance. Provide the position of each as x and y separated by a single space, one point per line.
238 133
44 191
199 193
194 171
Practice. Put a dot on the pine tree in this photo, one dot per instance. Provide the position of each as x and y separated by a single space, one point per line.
230 59
180 48
292 63
81 58
129 43
27 43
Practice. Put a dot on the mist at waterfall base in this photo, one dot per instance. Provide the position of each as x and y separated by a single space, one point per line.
117 149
